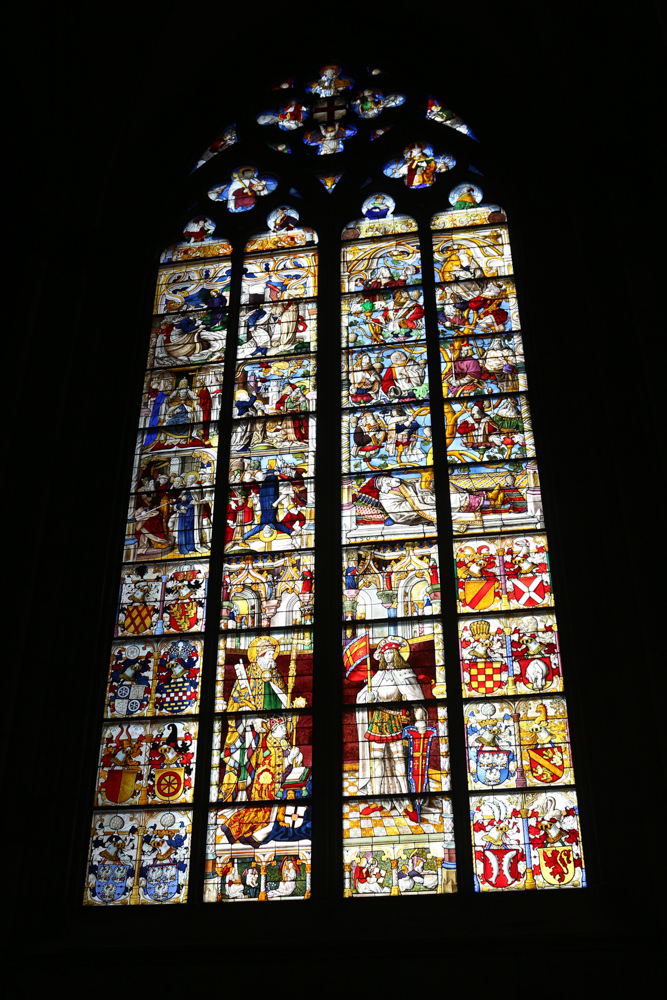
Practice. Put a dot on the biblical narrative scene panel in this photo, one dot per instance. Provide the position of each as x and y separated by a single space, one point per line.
148 678
190 395
389 581
162 598
508 574
510 655
496 427
270 388
385 375
498 496
170 516
398 845
259 758
146 762
279 277
387 262
267 671
477 308
194 288
258 852
267 590
483 365
277 328
391 505
188 338
391 663
387 438
518 743
394 748
527 840
474 253
138 857
274 511
393 316
258 437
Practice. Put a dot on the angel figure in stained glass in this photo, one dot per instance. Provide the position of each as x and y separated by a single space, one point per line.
329 137
418 165
330 82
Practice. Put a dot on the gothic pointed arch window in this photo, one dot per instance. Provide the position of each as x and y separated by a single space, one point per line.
335 526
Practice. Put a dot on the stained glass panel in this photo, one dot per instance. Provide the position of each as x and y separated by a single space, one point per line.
517 655
498 427
267 590
419 650
388 506
392 580
188 338
478 253
383 317
499 496
144 763
277 328
473 365
258 852
386 374
503 574
139 857
265 670
386 263
477 307
162 598
390 850
387 438
527 840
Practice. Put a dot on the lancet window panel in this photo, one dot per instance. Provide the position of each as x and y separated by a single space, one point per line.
515 718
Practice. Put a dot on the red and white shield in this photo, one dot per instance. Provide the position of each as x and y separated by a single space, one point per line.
528 591
501 866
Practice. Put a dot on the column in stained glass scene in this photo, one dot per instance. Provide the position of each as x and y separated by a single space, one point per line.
259 833
141 829
524 813
397 824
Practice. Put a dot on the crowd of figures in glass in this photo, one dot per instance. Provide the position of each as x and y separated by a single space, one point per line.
259 832
397 824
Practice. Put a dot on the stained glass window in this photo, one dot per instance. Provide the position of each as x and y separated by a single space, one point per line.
433 529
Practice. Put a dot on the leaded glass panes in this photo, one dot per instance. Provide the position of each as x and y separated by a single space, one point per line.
402 353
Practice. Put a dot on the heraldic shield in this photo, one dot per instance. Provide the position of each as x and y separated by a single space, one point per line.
485 675
169 783
556 864
138 619
119 786
493 765
479 594
110 882
501 866
182 615
161 882
129 698
546 764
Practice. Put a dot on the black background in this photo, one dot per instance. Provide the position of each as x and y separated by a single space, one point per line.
109 108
